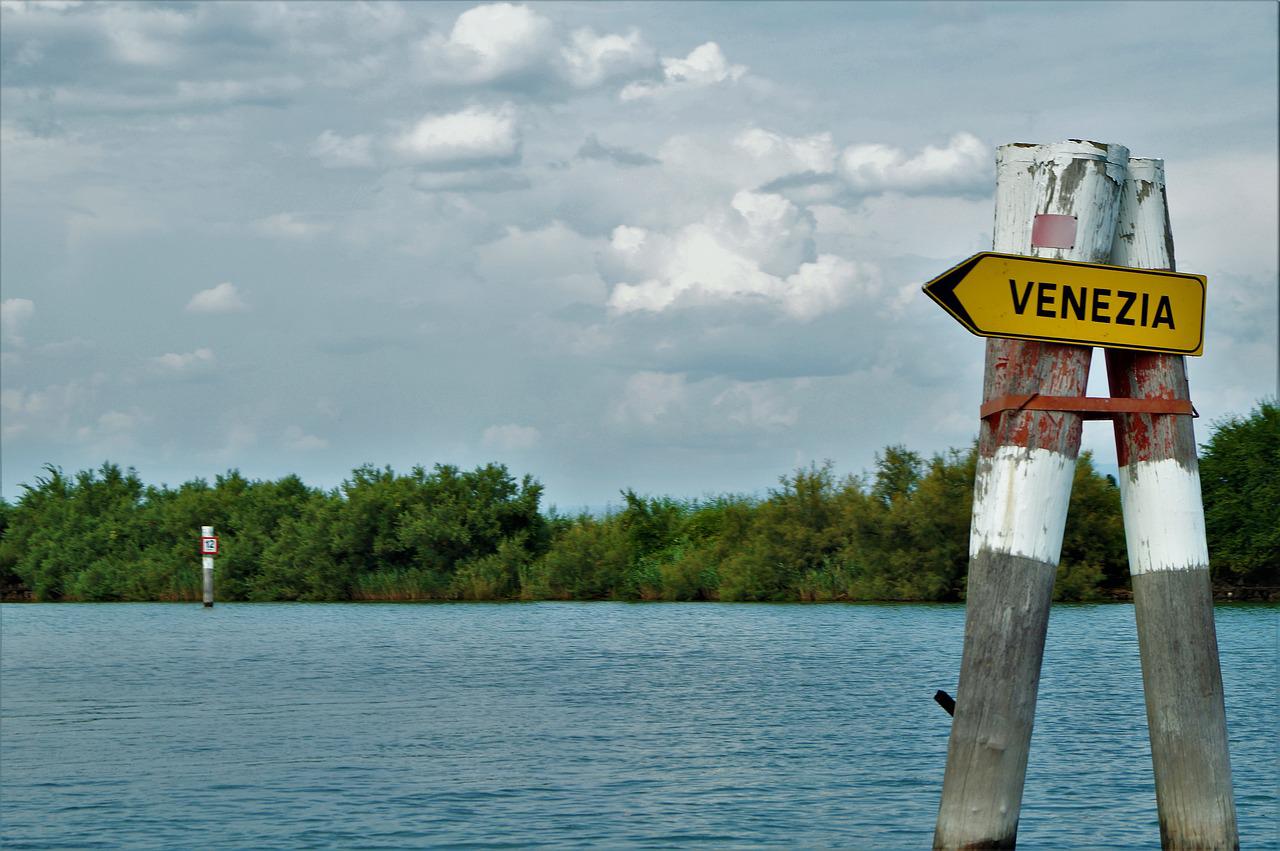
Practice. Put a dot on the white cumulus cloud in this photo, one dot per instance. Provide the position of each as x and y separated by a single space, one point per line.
471 137
145 35
223 298
38 5
964 164
184 363
505 43
489 43
590 59
14 313
49 411
706 65
781 155
759 250
823 285
511 437
817 169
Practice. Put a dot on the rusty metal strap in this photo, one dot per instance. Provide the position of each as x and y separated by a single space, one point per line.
1088 407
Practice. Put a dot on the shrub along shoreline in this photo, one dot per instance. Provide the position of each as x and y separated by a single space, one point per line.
898 534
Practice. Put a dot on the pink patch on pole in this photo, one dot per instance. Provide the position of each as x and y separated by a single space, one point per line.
1048 231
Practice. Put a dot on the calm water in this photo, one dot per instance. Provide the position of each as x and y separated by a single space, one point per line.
307 726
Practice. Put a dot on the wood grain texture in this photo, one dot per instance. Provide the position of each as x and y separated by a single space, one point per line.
1007 607
1006 618
1168 559
1186 712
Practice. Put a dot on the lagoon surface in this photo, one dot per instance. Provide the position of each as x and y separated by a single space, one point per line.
569 724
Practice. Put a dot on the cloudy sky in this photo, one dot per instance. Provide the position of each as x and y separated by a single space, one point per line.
674 247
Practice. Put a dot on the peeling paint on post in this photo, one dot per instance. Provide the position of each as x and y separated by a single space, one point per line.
1026 462
1169 558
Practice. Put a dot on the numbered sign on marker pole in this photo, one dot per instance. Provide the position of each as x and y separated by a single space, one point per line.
208 549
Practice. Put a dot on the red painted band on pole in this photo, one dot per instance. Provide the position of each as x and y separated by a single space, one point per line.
1088 407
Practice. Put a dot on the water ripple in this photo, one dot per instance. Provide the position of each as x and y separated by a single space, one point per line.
568 725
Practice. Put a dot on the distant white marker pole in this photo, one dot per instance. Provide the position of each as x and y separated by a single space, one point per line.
1169 557
208 549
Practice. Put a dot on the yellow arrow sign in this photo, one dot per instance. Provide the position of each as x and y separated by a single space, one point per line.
1030 298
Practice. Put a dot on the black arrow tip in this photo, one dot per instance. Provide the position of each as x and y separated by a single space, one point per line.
942 289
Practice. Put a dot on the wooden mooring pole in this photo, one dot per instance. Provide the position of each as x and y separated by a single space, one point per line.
1026 462
1169 558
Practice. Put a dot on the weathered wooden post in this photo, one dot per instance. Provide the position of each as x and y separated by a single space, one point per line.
1168 557
208 549
1026 463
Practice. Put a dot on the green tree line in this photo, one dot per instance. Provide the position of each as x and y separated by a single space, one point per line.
898 533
